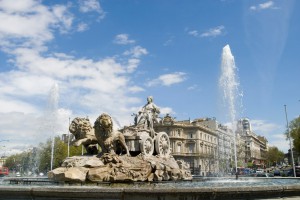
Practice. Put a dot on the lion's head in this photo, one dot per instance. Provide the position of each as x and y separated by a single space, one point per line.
104 124
79 127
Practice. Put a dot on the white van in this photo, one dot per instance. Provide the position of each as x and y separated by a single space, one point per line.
259 171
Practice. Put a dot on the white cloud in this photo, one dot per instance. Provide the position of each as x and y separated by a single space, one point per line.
136 52
123 39
264 6
168 79
193 87
273 132
264 127
279 141
16 5
31 23
135 89
25 130
91 6
87 86
15 105
213 32
132 64
193 33
82 27
166 110
169 41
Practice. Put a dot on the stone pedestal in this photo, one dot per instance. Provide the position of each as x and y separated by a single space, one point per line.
115 168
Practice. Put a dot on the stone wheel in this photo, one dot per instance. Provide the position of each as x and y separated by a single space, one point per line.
162 144
147 145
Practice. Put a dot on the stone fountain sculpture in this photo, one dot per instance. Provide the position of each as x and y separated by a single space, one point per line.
84 134
134 153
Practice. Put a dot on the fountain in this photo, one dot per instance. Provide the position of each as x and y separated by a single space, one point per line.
135 163
134 153
229 84
53 104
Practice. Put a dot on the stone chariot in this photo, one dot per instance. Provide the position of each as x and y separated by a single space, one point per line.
140 141
141 137
134 153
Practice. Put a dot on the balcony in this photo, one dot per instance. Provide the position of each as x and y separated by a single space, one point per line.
176 137
202 155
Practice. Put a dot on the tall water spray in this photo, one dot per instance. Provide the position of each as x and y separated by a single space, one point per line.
229 85
52 116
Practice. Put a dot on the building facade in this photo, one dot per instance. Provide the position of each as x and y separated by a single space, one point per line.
225 143
193 143
255 146
2 160
208 146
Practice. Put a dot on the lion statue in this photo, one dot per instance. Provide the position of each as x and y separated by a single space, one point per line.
84 134
110 141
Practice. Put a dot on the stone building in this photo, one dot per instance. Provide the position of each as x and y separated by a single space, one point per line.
255 146
67 138
225 143
192 142
2 160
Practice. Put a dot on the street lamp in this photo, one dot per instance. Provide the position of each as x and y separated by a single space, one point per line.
289 135
69 139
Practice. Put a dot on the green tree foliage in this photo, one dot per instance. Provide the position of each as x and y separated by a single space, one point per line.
274 156
38 159
24 162
59 154
295 133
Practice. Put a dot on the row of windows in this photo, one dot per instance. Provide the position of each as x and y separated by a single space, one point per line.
192 135
190 148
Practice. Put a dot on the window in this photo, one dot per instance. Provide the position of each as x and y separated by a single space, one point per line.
178 132
178 147
191 148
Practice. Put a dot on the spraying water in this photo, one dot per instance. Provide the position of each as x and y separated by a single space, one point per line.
52 109
229 85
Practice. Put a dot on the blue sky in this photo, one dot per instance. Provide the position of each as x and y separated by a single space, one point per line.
108 56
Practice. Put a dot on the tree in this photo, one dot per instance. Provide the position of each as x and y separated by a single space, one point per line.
274 156
22 162
59 153
38 159
295 134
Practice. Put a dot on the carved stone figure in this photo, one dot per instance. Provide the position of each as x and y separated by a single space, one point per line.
167 120
84 134
148 115
115 168
150 159
110 141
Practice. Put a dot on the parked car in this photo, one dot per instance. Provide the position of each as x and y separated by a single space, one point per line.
297 171
287 172
263 174
259 171
276 172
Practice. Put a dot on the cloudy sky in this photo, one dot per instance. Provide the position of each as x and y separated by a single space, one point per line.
82 58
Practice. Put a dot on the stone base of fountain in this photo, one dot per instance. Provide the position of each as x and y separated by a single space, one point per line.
153 193
115 168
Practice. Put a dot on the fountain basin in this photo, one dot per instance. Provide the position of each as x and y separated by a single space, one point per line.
215 188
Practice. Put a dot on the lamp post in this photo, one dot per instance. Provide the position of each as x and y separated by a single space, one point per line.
3 145
289 135
69 140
